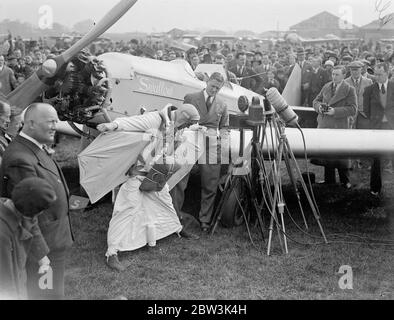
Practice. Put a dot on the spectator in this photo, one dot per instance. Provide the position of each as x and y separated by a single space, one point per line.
359 83
379 110
318 78
14 64
334 104
305 75
28 156
20 236
172 55
194 60
271 82
15 125
282 79
5 114
328 67
247 77
220 59
20 78
7 78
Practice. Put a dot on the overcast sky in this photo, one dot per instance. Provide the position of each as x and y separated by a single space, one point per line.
163 15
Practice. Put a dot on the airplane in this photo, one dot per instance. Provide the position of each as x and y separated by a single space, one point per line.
89 90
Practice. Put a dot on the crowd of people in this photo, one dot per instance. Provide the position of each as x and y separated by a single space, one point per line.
348 87
266 67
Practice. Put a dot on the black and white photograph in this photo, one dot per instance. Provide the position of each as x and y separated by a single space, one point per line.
196 155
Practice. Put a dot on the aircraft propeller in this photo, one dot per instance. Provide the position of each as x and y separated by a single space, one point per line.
46 76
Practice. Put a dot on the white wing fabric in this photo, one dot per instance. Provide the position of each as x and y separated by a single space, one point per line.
103 165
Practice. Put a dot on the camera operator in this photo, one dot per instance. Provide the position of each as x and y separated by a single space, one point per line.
335 103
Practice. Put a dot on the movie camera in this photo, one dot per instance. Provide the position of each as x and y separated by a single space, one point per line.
261 174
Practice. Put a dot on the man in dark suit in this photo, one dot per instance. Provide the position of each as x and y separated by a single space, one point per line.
28 156
341 102
379 109
213 115
306 71
247 77
317 79
5 114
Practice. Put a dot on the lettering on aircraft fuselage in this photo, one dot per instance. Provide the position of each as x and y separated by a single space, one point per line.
154 86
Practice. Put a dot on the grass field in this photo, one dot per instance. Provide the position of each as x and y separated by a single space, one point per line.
227 266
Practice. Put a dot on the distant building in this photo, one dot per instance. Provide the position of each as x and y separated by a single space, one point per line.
379 29
325 23
176 33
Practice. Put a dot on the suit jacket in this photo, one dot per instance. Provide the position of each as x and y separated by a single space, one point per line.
7 80
344 101
373 108
23 159
316 82
216 118
365 82
306 70
18 240
250 81
345 105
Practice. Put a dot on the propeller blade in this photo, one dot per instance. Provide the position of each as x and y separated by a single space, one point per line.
105 23
27 92
40 81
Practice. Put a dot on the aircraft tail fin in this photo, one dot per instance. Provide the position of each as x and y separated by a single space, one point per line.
292 91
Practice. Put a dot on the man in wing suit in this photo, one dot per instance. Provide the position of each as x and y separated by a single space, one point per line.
28 156
248 78
379 109
213 115
341 100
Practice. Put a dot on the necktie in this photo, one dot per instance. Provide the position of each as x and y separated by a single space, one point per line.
334 89
209 103
383 89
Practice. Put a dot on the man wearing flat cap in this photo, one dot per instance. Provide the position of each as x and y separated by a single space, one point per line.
359 83
20 236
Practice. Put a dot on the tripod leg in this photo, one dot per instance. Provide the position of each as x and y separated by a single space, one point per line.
274 203
218 212
253 201
312 205
297 192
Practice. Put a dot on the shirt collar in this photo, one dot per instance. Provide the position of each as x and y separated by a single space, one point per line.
206 95
24 135
358 79
337 85
384 84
